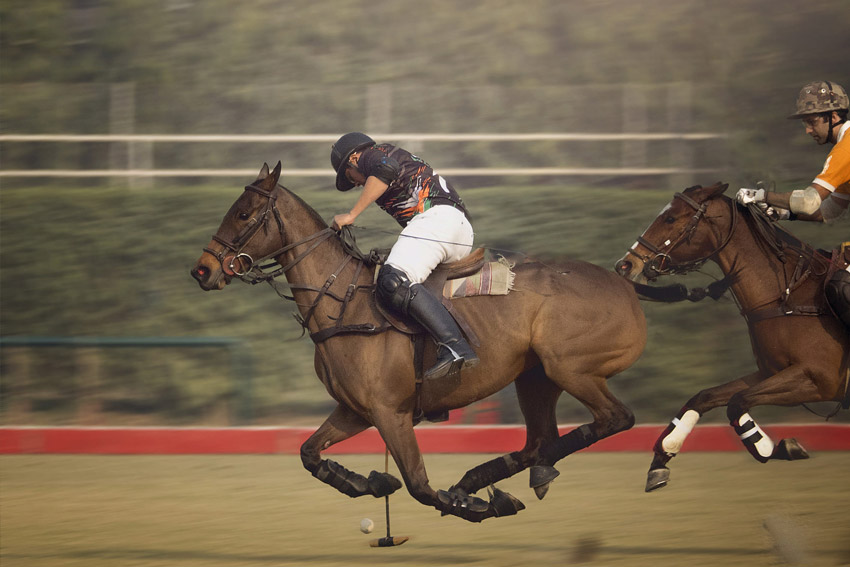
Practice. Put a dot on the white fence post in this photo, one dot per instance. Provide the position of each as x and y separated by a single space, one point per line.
122 120
635 120
679 107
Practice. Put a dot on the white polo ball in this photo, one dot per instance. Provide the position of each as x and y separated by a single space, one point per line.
367 525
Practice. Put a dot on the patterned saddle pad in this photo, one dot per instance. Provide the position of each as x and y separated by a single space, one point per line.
494 278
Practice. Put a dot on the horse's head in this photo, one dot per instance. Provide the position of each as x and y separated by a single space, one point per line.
676 241
251 230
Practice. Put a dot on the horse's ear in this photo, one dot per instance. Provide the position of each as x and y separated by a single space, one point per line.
719 188
701 193
264 172
276 172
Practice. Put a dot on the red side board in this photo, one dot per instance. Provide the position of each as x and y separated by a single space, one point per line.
432 439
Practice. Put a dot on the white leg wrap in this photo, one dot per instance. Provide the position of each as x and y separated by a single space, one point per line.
754 437
682 427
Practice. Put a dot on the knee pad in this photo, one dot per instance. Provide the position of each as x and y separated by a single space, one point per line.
392 289
838 295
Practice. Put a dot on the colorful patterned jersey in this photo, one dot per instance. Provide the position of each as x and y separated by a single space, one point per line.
415 188
836 170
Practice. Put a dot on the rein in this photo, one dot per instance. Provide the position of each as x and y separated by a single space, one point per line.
256 272
779 242
771 237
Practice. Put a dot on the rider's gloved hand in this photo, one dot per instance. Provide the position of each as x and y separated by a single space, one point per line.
746 196
774 213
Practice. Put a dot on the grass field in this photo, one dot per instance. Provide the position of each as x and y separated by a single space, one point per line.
720 509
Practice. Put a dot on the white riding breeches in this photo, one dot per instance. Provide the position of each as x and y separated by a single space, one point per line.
440 234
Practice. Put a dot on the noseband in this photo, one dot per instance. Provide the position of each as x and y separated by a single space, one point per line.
255 272
661 263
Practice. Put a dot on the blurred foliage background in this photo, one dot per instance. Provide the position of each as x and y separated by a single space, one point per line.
89 257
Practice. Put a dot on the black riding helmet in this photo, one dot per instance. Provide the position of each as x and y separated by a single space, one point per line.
340 153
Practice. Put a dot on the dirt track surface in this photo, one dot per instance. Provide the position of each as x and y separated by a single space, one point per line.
721 509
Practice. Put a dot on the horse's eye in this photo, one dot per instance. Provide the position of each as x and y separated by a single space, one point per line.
244 216
670 220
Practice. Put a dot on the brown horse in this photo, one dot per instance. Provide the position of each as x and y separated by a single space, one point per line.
777 281
565 329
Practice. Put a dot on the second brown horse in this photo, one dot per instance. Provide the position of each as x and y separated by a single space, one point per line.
800 346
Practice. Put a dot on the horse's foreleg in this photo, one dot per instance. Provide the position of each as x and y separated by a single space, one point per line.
671 440
792 386
340 425
537 397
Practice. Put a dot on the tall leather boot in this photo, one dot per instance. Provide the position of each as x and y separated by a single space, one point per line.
838 295
453 353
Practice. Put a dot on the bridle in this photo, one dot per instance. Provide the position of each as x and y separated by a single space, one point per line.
255 271
660 261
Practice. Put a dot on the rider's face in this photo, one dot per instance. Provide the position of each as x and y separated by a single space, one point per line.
817 126
352 173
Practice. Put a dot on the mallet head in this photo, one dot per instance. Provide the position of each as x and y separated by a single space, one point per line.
389 541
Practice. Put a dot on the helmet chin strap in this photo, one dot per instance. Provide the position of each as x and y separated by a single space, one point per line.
829 116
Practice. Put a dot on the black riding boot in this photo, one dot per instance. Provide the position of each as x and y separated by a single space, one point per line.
838 295
453 351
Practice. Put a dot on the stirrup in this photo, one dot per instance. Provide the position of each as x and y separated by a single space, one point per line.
447 367
443 368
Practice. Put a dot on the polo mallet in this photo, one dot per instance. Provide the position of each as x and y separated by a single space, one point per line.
388 541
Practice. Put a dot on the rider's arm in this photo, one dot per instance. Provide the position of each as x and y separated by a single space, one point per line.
804 203
372 190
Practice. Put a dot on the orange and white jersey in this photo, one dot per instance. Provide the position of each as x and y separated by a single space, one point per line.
836 170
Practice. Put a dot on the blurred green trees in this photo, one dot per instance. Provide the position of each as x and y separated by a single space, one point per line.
90 257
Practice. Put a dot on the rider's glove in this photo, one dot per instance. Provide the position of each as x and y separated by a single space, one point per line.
774 213
746 196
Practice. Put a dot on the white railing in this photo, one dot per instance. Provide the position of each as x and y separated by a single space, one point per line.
143 143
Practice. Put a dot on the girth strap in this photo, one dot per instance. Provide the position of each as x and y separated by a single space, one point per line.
362 329
772 312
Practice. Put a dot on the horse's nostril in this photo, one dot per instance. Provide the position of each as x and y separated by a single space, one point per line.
623 267
200 273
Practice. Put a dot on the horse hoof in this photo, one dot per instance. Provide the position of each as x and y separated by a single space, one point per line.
503 503
541 474
460 504
539 478
657 478
382 484
790 450
540 491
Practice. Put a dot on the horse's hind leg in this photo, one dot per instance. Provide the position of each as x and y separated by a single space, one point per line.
340 425
610 416
537 397
790 387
